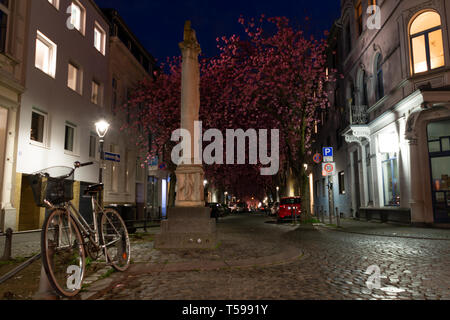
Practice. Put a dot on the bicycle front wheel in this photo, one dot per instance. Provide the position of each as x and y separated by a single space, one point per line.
63 253
115 238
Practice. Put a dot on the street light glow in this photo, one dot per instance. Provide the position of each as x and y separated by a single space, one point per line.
102 128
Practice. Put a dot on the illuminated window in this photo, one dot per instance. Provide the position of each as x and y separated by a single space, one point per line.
95 95
55 3
45 55
38 127
99 39
78 16
74 78
427 47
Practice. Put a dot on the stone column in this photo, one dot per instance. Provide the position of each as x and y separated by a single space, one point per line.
189 224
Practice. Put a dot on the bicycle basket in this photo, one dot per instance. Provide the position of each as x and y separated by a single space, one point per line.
52 185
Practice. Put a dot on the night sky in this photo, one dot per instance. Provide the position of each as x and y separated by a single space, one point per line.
159 23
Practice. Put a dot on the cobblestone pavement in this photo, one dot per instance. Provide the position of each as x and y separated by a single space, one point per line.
334 266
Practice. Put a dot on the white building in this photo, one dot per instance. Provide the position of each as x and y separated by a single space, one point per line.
66 94
396 93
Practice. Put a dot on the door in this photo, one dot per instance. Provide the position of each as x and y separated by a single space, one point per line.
3 124
439 153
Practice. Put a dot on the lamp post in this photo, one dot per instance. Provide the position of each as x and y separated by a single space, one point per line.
102 128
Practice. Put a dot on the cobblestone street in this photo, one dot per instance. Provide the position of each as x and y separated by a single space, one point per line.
332 265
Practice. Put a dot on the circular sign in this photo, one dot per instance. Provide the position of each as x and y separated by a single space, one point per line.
329 168
317 158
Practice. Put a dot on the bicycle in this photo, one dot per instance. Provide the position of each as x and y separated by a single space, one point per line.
66 236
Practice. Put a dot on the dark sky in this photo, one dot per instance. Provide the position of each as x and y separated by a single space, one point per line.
159 23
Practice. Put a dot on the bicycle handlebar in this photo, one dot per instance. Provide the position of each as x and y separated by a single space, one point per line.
80 165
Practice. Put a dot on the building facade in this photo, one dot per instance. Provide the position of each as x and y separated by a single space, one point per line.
66 94
129 64
395 59
13 45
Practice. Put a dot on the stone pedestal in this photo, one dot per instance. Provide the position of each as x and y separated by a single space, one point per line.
187 228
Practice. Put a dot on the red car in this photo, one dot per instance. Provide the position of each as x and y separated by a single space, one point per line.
289 207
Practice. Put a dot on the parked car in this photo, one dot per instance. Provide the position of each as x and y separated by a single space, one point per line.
289 208
241 207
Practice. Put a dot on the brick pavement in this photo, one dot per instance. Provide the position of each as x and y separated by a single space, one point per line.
333 266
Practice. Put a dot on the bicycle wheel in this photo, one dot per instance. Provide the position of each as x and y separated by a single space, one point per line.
115 238
63 253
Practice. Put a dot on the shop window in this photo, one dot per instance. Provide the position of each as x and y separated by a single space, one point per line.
427 46
391 188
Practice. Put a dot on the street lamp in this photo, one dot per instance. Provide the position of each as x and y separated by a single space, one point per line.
102 128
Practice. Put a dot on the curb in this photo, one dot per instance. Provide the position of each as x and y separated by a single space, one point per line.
101 287
381 235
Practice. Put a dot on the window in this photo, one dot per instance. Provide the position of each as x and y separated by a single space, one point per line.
69 140
92 146
54 3
99 39
359 17
74 78
4 14
365 95
342 182
45 55
427 47
38 123
379 83
78 16
391 187
95 95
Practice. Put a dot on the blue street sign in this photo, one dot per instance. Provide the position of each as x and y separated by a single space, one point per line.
328 152
114 157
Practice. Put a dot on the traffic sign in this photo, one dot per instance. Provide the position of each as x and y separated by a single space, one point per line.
317 158
328 169
114 157
328 152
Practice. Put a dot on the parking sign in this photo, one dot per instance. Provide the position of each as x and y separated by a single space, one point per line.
328 152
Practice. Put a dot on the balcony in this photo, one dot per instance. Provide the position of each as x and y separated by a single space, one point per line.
359 115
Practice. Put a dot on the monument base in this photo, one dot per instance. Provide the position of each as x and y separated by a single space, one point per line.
187 228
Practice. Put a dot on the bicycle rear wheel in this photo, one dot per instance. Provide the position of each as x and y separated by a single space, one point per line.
63 253
115 237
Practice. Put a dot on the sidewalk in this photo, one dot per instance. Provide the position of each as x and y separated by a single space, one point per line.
389 230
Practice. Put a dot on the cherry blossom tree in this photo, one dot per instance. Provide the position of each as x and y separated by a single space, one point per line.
274 77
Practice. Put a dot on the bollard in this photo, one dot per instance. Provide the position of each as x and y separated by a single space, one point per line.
8 245
338 218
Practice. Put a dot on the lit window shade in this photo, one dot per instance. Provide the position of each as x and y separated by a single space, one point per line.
45 59
436 49
419 54
72 79
99 39
425 21
95 93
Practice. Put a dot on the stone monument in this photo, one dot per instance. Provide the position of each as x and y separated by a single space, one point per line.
189 224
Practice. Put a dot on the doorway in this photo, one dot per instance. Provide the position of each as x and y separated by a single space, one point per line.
357 186
3 127
439 154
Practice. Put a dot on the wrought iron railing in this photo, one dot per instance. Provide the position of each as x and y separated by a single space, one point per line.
359 115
